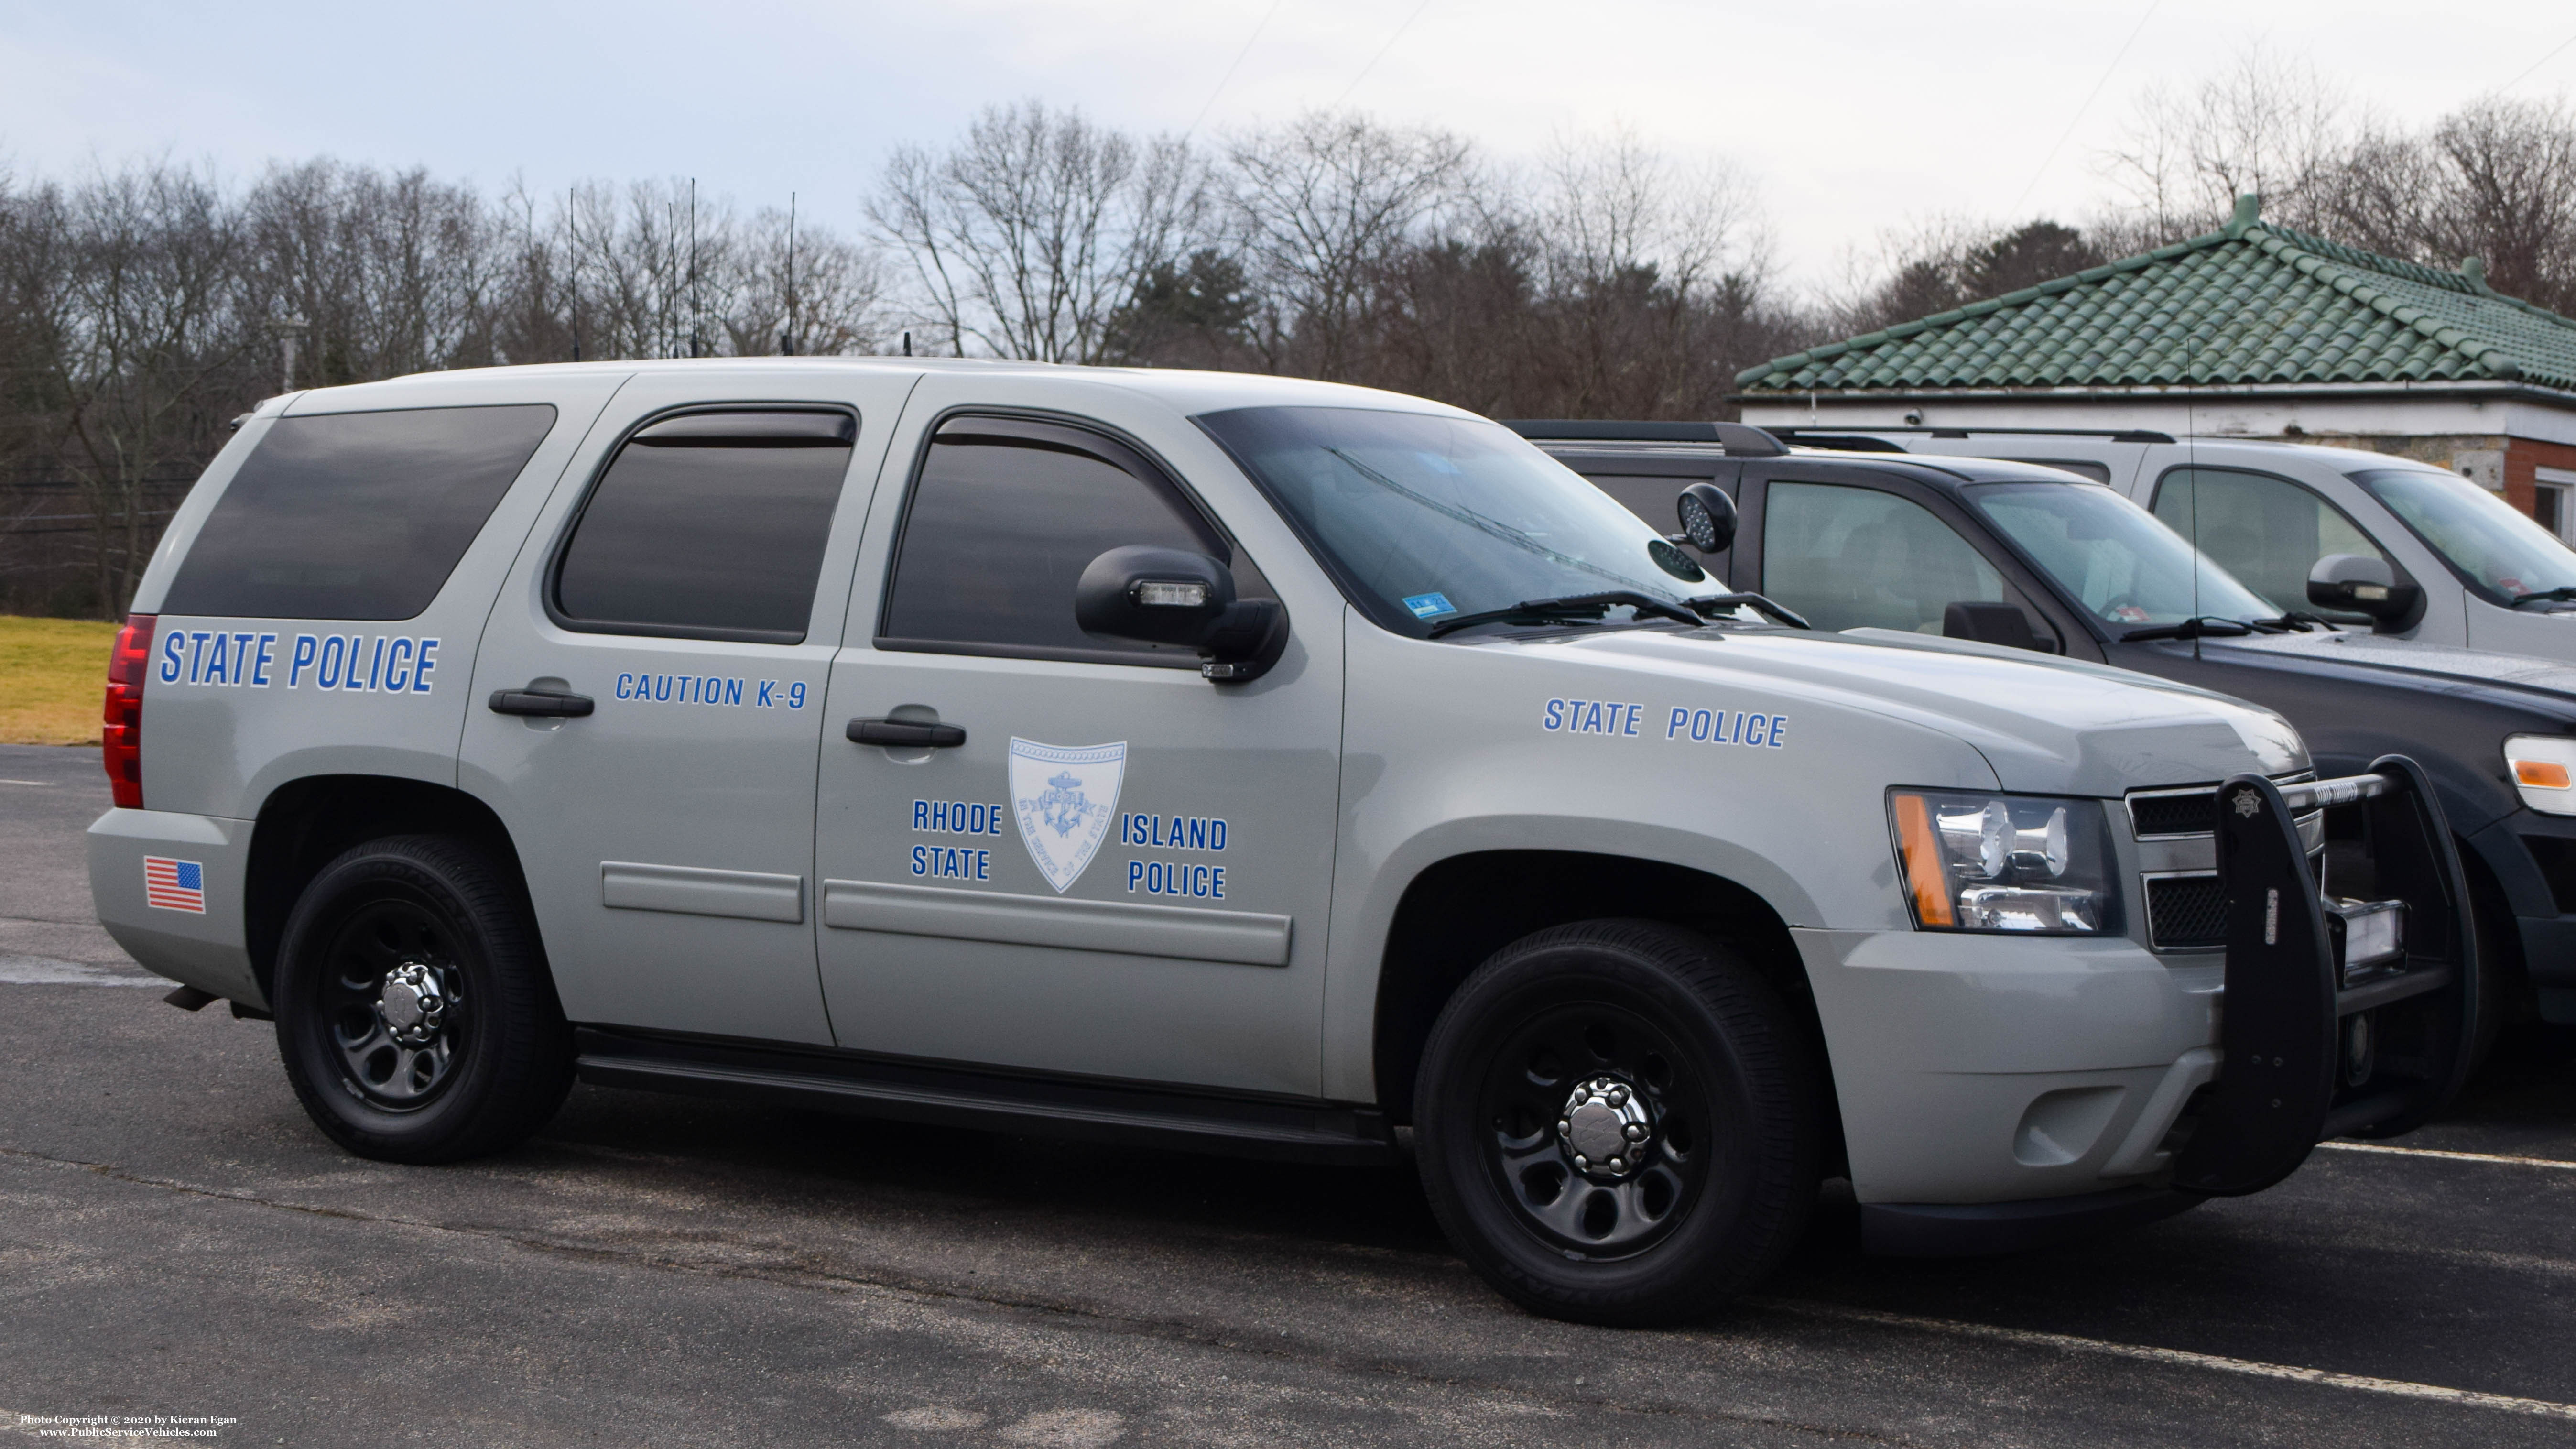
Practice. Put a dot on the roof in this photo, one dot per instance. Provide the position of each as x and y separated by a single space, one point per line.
1182 389
2249 304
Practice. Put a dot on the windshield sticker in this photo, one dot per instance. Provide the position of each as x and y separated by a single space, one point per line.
1591 717
1063 797
1720 727
1430 606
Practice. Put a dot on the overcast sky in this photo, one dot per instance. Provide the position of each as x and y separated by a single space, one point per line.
1851 117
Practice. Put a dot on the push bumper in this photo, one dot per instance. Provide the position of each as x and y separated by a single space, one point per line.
1962 1143
2321 1035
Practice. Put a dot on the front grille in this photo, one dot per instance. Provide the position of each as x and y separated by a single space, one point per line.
2192 814
2186 912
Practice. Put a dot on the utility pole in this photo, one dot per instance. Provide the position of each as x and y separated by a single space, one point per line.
693 266
572 241
287 328
787 339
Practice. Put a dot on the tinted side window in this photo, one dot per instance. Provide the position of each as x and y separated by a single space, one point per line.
1850 558
2267 531
709 526
355 515
1004 519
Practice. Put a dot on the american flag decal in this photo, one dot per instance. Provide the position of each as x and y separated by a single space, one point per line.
174 885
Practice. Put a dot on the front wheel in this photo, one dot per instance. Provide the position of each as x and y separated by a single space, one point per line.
1618 1122
414 1011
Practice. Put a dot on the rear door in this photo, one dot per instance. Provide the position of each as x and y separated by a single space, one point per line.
648 700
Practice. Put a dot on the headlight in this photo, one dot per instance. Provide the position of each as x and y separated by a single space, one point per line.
1978 862
2542 767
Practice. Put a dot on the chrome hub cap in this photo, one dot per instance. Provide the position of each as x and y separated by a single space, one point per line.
1604 1128
411 1005
390 1006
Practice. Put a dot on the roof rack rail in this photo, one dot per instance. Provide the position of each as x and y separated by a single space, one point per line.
2116 435
1737 439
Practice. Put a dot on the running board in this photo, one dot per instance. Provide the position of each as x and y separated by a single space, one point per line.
907 1091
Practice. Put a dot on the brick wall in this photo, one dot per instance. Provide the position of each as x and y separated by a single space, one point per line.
2521 457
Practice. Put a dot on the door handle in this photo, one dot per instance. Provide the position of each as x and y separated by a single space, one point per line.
906 734
540 702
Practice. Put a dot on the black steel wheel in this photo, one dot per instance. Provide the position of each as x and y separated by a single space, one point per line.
414 1012
1598 1128
1619 1122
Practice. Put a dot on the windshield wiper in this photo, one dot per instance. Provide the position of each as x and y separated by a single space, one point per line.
1711 603
2208 625
2546 596
1581 607
2291 622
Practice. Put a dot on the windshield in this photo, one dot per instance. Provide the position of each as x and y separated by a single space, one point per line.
2498 551
1424 518
2112 556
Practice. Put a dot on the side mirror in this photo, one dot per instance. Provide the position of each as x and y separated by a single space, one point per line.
2361 584
1173 596
1708 518
1990 623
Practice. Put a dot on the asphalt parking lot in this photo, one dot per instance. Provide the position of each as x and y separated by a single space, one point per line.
176 1239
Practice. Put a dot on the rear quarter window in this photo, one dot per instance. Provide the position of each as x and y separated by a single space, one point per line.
354 515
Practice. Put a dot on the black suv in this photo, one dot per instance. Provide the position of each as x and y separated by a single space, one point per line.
2015 554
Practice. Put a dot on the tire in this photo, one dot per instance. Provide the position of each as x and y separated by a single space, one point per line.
1645 1026
415 1014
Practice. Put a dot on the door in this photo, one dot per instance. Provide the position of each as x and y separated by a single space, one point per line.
648 699
1850 557
2267 531
1114 868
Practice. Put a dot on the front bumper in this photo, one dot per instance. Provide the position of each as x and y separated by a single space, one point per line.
1991 1086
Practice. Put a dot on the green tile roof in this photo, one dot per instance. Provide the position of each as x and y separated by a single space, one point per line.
2250 304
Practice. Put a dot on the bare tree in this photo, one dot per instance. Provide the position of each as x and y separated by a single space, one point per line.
2267 125
810 295
1319 205
142 343
1037 227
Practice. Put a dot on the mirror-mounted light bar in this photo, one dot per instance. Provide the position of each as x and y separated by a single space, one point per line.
1169 593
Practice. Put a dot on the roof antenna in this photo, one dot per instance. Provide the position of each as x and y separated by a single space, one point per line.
2190 463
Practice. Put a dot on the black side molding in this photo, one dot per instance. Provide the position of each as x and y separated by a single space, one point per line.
940 1095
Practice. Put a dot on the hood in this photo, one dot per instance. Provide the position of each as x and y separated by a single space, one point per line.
2045 725
2414 656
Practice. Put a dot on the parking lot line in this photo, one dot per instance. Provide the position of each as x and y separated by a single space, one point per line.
2553 1162
2180 1358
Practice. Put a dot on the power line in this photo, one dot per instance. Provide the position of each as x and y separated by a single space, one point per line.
2537 64
1226 79
2089 97
1381 54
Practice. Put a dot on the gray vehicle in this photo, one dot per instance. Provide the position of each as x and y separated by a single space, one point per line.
2459 566
1226 762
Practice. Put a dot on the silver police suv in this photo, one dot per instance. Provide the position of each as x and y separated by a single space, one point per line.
1226 762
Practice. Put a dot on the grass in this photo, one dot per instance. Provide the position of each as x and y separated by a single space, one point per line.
53 674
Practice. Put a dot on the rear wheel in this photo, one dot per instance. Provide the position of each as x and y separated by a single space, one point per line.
1617 1122
414 1012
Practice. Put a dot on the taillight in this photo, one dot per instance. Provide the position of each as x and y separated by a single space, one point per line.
121 743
